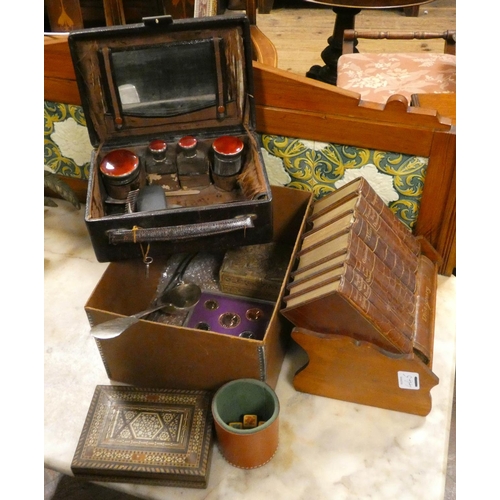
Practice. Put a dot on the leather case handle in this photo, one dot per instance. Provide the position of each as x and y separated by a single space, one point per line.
183 232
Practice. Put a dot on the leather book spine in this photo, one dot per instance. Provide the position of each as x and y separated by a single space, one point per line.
423 342
374 315
400 299
384 230
359 256
366 191
382 312
389 256
399 229
349 314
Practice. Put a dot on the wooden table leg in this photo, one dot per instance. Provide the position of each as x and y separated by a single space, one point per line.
265 6
344 19
412 11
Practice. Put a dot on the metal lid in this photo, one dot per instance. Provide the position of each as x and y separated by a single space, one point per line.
188 142
119 163
157 146
228 145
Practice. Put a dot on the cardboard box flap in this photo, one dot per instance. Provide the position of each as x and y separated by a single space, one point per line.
164 76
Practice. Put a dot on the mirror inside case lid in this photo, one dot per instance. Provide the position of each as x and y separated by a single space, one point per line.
167 80
140 79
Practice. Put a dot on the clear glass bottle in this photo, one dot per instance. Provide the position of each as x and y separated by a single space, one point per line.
192 164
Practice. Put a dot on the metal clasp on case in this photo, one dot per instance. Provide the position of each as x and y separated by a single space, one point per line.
157 21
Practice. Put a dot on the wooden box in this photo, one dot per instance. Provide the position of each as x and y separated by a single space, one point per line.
146 436
163 80
255 271
152 354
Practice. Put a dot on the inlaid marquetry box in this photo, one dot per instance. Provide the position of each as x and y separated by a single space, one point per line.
146 436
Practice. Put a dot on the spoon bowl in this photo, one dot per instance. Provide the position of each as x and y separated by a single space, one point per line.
182 296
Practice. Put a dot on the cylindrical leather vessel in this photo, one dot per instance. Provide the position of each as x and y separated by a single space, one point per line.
251 447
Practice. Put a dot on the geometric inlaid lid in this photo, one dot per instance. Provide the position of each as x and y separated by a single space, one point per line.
150 436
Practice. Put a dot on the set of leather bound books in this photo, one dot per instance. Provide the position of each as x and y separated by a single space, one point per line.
362 273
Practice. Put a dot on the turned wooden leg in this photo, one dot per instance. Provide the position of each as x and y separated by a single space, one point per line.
265 6
344 19
411 11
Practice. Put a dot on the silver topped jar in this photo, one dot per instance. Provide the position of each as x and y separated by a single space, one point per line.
158 159
228 161
121 173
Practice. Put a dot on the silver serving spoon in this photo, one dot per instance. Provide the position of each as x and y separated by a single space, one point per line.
176 296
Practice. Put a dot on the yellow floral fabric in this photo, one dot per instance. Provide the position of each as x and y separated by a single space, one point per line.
322 168
377 76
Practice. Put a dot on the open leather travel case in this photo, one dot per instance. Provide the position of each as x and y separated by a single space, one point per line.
151 92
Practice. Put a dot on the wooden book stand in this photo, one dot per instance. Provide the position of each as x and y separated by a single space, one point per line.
341 367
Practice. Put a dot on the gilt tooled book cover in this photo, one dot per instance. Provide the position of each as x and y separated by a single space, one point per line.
146 436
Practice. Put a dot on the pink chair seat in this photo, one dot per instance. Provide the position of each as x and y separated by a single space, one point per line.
377 76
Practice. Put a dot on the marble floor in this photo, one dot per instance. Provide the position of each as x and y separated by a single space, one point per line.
61 487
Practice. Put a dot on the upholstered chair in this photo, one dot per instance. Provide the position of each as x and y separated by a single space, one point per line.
376 76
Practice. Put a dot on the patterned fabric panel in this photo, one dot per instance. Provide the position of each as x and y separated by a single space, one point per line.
67 146
377 76
322 168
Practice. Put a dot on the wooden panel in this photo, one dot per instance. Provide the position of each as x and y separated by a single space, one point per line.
436 220
447 242
446 104
335 363
291 105
282 89
64 15
296 106
113 12
263 49
59 76
360 133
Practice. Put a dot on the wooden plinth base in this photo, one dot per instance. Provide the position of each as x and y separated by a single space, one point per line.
342 368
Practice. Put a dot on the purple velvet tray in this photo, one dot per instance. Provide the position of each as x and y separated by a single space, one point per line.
231 315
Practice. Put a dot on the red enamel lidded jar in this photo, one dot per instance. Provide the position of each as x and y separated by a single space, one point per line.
158 149
188 144
192 164
158 159
120 171
227 162
228 152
